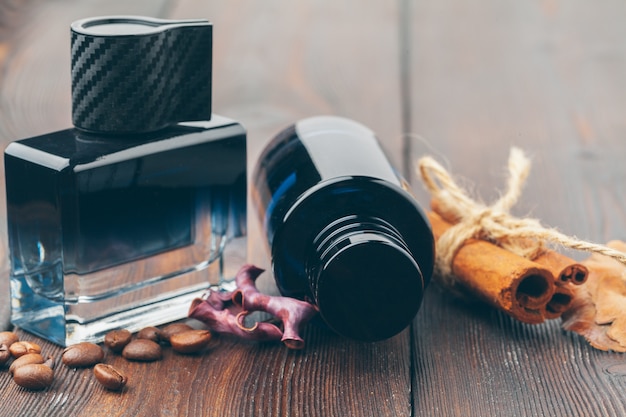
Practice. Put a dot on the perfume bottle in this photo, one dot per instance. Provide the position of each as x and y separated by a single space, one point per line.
123 219
342 229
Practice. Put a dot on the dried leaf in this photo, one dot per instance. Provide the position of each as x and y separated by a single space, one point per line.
598 312
617 331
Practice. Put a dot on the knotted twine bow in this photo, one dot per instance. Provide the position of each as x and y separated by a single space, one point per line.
523 236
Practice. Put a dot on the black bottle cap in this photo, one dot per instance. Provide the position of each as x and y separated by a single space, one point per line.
364 278
136 74
370 290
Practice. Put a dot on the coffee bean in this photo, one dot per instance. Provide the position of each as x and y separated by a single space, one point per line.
142 350
191 341
82 355
5 354
34 376
109 377
174 328
117 339
21 348
150 333
25 360
8 338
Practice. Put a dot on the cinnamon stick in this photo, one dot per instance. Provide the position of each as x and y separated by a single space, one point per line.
509 282
564 268
560 302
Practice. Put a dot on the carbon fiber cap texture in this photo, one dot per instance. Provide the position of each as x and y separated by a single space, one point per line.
136 75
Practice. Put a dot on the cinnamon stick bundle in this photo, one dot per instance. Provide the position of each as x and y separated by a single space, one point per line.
502 273
562 267
509 282
529 291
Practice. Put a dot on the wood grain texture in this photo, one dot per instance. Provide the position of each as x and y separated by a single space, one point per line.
545 76
274 63
232 378
491 75
463 81
11 17
35 78
473 361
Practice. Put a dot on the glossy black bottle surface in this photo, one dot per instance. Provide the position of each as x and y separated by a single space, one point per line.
342 228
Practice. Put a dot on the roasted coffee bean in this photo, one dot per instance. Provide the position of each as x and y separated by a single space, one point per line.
21 348
172 329
191 341
8 338
109 377
117 339
34 376
82 355
150 333
5 354
142 350
25 360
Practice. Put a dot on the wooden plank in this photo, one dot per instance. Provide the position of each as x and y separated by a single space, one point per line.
473 361
274 63
277 62
332 376
546 76
10 21
35 78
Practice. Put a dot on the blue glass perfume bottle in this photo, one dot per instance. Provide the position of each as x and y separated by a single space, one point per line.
342 228
122 220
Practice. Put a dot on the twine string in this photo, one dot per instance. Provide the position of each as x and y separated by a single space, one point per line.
473 220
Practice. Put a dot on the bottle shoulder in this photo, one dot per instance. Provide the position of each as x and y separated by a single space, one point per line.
351 193
72 147
364 196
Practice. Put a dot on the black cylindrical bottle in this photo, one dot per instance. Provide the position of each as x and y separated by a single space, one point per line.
342 228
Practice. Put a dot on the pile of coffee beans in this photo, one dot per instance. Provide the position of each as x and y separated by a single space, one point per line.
34 372
29 368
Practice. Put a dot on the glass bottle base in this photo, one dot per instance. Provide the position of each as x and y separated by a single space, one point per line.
52 324
68 321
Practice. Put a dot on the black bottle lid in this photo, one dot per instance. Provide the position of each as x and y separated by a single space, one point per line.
365 280
136 74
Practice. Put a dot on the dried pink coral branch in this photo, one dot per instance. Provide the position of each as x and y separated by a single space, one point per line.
225 321
225 312
220 299
292 312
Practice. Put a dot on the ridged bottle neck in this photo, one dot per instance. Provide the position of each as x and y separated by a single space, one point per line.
364 278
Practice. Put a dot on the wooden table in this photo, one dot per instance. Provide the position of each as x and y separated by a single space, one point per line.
463 81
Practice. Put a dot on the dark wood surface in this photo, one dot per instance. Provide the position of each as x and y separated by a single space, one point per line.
463 81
